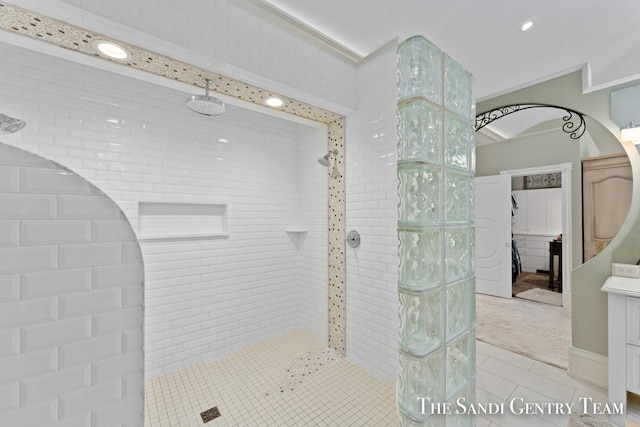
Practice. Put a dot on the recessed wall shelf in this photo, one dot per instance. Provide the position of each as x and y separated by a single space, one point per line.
297 234
162 221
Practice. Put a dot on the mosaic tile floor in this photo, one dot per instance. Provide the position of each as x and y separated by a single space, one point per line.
289 380
253 388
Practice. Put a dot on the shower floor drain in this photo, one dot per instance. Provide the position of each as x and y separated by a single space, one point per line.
210 414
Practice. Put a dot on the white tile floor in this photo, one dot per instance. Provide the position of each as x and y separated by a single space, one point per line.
253 388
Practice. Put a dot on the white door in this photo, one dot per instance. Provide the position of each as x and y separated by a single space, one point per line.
493 235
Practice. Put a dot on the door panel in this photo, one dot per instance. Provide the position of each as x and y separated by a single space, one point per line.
493 235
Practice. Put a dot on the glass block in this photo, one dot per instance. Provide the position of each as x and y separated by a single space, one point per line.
458 309
419 69
419 195
420 377
462 402
472 153
472 301
433 421
419 132
420 253
456 254
457 88
458 140
457 365
456 197
420 321
472 355
472 200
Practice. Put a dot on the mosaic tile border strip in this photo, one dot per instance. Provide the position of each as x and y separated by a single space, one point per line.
30 24
305 366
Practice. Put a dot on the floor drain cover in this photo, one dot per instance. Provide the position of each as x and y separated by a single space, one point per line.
210 414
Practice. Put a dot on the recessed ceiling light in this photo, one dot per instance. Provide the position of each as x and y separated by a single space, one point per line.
526 26
111 49
274 102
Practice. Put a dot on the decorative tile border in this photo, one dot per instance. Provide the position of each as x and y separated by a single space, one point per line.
21 21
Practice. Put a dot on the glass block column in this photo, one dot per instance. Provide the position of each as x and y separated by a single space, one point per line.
436 164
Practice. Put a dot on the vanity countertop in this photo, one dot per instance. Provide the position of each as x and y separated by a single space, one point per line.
622 285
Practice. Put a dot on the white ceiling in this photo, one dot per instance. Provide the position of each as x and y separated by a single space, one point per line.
485 36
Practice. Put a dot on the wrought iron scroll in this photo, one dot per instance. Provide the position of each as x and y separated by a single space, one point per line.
574 123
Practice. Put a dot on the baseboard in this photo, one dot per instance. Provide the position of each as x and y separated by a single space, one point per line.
590 367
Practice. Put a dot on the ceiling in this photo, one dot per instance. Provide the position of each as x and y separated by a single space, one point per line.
485 37
600 38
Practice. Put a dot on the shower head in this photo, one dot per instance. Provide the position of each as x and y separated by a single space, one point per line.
205 104
324 160
10 125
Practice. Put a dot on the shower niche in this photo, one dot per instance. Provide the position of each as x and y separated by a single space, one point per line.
181 221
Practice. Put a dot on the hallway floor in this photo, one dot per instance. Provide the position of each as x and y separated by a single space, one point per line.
253 387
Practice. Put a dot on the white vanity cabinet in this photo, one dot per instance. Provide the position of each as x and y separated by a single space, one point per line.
624 346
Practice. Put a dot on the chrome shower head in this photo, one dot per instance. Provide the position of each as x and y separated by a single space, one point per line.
205 104
10 125
324 160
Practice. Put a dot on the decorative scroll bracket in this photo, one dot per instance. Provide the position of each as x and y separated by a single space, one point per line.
574 123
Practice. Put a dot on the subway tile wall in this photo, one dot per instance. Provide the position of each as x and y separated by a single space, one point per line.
372 297
55 363
232 33
138 142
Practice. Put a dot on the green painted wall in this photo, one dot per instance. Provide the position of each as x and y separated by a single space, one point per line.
589 304
539 149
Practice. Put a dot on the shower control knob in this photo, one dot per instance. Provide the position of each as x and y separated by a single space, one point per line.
353 239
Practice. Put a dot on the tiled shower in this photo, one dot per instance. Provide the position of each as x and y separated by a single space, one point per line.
256 264
259 187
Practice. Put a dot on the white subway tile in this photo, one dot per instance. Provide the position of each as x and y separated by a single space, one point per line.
9 397
9 288
132 340
83 420
15 156
9 179
47 181
77 304
13 260
117 275
116 367
117 321
9 233
88 399
112 230
9 342
89 207
131 252
28 206
51 334
55 282
28 365
56 384
21 313
132 296
55 232
88 351
83 255
133 385
119 412
40 414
